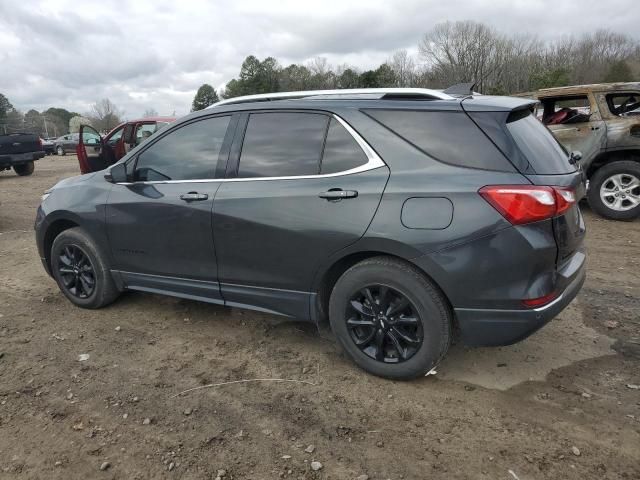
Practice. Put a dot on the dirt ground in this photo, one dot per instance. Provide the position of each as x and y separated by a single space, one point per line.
564 404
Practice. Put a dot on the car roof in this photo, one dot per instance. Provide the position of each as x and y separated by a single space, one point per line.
151 119
580 89
389 98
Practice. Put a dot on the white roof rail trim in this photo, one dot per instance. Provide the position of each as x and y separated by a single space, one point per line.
438 94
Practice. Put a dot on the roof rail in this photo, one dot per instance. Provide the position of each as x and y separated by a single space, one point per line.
343 94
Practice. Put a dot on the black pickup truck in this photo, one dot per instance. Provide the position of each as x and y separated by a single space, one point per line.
20 150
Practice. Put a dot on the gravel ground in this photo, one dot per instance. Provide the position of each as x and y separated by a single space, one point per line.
564 404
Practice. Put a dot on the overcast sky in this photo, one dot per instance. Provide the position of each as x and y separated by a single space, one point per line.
155 54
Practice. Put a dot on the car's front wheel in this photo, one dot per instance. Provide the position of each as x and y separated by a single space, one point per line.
390 319
24 169
60 151
614 190
81 270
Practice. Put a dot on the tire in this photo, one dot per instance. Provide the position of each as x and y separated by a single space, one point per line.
24 169
67 244
60 151
605 180
431 318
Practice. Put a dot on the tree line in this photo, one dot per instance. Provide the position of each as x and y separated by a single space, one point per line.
103 115
450 53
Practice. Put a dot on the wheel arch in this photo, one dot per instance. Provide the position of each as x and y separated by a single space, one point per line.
328 278
612 156
53 230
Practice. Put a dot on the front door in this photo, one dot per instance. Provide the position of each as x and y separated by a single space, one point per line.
159 224
90 150
292 200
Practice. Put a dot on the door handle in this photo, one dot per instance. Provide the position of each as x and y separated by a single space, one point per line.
193 196
338 194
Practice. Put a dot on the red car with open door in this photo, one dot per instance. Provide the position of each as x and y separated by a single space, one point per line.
96 153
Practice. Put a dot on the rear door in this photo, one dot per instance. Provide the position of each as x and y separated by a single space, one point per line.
300 187
159 223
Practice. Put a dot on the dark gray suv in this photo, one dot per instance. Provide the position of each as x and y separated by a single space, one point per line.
406 217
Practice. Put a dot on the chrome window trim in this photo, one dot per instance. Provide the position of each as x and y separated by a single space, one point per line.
373 161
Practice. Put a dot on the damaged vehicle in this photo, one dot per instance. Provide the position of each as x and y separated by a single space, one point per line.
96 153
402 217
602 123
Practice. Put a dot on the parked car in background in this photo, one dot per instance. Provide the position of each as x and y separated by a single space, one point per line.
97 153
602 122
48 145
66 143
19 151
403 216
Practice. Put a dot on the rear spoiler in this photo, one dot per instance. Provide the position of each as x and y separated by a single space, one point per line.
488 103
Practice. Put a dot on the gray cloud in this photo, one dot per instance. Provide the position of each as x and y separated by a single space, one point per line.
155 53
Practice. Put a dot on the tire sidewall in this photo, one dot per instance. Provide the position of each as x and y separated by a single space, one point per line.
431 316
596 181
76 237
60 151
24 169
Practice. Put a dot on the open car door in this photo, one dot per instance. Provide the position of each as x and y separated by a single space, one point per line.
90 150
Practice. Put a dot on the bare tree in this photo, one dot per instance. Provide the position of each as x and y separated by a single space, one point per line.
105 115
462 52
404 68
150 112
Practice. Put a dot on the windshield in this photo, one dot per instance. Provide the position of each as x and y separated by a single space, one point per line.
538 145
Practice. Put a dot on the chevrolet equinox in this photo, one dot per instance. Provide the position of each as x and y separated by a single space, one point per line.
404 217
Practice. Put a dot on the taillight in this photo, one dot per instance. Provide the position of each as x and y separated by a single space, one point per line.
538 302
522 204
565 199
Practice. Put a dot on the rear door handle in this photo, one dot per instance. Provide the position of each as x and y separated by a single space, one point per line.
338 194
193 196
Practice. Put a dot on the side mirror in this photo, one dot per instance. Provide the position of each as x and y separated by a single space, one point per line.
575 157
117 174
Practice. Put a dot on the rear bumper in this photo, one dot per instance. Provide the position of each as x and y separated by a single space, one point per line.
19 158
486 327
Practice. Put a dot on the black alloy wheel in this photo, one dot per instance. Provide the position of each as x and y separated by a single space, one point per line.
384 324
76 271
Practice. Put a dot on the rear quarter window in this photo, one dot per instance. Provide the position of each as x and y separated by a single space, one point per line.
541 149
450 137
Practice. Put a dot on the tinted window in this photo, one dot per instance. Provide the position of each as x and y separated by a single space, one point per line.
537 144
189 153
450 137
282 144
341 151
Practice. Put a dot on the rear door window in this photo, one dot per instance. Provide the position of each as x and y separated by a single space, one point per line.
341 151
282 144
537 144
567 110
190 152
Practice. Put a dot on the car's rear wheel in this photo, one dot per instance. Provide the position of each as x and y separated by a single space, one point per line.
614 190
24 169
60 151
81 270
390 319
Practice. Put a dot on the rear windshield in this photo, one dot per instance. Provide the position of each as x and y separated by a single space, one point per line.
538 145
